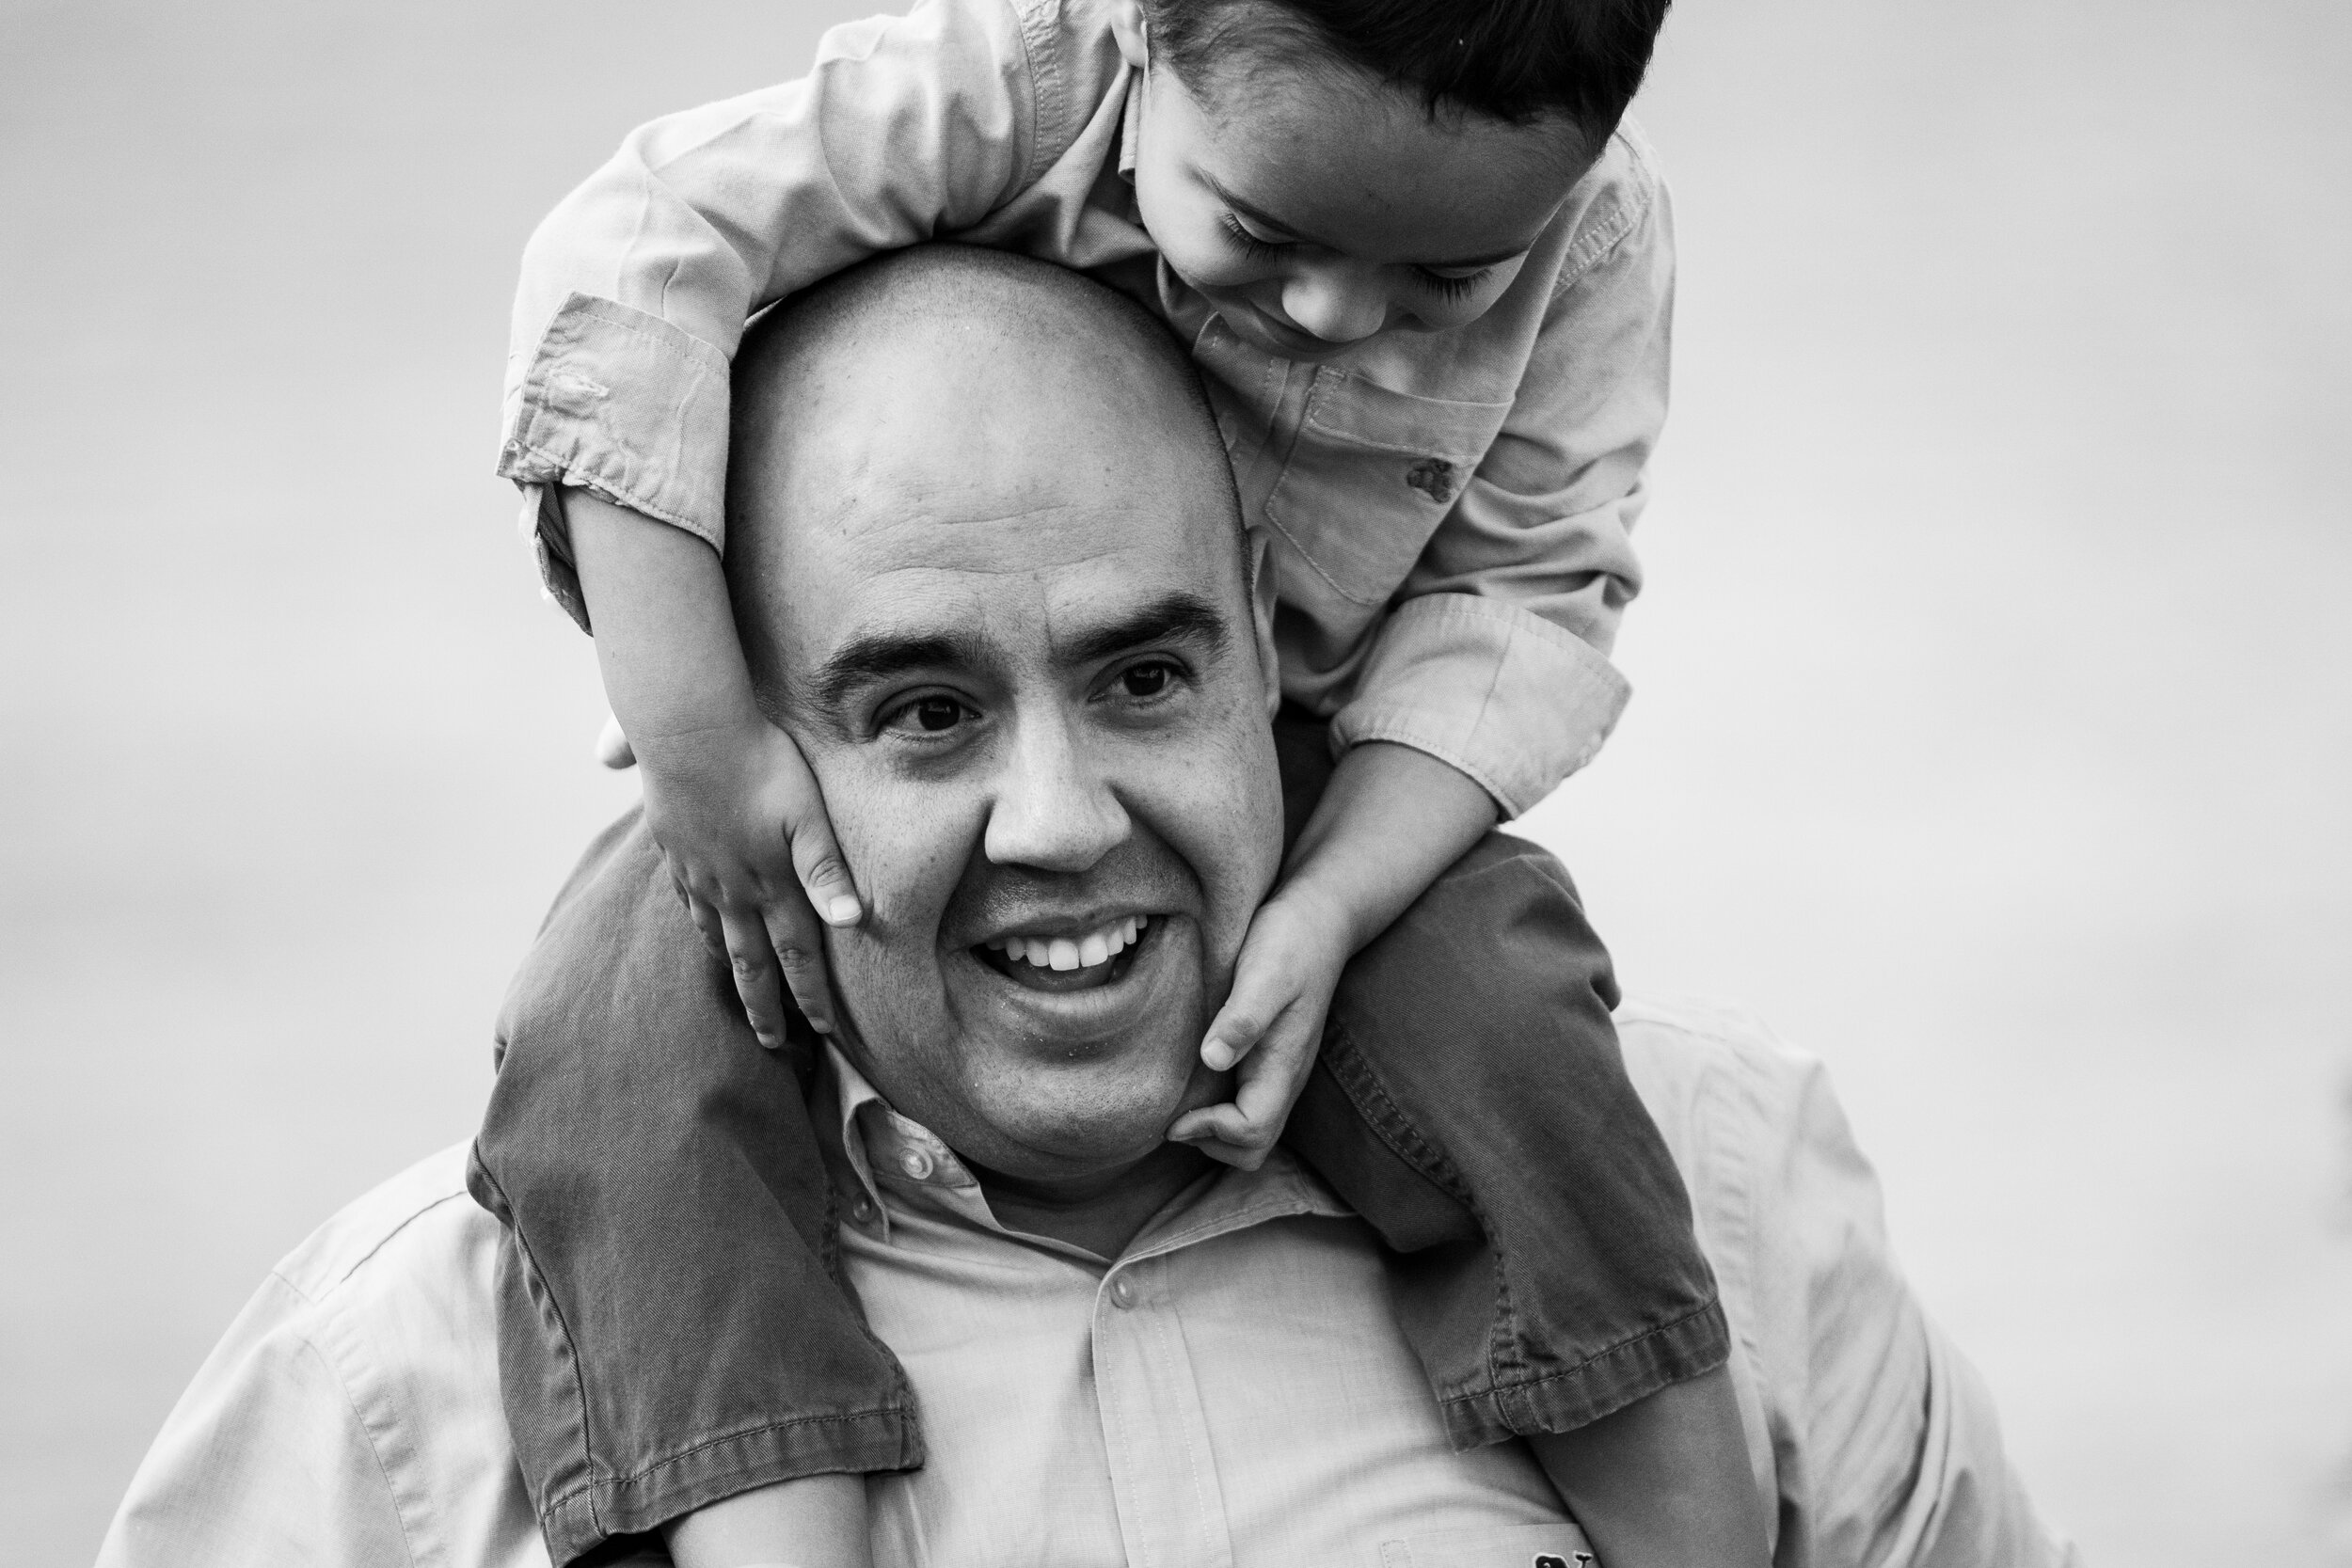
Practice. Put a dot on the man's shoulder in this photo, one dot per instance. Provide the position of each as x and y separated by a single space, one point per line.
1683 1043
1721 1085
351 1409
400 1227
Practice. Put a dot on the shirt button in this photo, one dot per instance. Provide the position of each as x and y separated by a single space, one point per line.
1122 1292
916 1164
864 1213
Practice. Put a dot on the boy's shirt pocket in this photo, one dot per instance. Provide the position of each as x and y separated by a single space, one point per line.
1560 1546
1370 475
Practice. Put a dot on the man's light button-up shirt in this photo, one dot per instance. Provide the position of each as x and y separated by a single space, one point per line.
1255 1406
1232 1390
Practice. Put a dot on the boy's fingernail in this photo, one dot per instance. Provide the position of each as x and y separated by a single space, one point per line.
822 1025
1218 1055
842 910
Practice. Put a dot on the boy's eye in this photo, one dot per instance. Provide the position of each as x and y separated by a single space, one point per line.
931 715
1451 285
1253 244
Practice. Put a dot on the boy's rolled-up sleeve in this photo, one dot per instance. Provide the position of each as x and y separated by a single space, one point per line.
636 290
1497 656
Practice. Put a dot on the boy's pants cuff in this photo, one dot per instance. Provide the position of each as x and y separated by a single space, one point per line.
589 1516
1626 1373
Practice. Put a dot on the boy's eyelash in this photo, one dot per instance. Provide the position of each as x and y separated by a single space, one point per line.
1437 283
1451 288
1250 243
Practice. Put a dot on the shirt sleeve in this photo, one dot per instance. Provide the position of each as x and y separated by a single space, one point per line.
636 290
1497 656
1884 1441
264 1462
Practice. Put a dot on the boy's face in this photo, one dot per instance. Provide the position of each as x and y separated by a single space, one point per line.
1318 208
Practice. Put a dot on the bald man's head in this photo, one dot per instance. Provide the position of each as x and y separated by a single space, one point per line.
946 371
982 553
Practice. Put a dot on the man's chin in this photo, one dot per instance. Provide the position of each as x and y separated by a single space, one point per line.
1079 1124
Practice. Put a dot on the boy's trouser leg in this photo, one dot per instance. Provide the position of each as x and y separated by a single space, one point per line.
1471 1104
673 1326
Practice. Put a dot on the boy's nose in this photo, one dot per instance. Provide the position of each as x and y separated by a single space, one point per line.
1053 810
1335 303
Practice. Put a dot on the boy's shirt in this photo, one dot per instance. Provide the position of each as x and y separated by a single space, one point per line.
1447 514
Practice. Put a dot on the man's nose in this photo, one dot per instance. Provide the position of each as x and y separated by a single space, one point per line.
1054 810
1335 302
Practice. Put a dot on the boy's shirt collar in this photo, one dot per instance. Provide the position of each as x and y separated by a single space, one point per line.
1130 123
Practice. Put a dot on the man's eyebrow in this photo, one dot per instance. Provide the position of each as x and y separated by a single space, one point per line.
1267 220
1170 618
878 656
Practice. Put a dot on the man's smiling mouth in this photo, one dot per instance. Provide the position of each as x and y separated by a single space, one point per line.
1080 961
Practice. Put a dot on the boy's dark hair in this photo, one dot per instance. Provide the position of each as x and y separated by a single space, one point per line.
1516 60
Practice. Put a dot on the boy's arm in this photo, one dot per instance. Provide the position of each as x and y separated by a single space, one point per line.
635 290
1496 654
1390 822
728 795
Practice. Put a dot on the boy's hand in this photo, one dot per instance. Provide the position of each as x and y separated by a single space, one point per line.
740 822
1272 1025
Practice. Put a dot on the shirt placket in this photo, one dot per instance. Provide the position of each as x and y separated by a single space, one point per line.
1171 1509
1274 394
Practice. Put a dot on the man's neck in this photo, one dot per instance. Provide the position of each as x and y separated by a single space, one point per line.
1101 1214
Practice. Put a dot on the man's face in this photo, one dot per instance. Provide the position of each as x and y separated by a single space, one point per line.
1025 672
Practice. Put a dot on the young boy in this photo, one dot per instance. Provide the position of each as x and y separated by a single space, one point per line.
1428 282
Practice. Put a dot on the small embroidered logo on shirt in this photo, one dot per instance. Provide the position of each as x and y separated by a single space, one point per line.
1433 477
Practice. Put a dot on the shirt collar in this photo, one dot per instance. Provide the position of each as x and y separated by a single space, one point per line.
1130 123
899 1162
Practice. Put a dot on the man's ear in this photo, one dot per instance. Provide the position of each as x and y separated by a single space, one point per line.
1132 30
1261 553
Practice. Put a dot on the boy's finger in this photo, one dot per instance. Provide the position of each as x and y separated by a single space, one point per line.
1227 1124
1238 1026
1223 1134
706 919
800 949
754 964
1265 1097
613 746
824 876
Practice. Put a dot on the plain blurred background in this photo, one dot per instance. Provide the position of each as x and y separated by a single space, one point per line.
1994 736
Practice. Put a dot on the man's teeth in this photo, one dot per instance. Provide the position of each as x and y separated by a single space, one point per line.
1095 947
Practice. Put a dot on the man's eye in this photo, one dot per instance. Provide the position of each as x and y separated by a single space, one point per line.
1145 681
929 715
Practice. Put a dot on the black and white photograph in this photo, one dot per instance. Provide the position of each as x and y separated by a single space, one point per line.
1196 784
